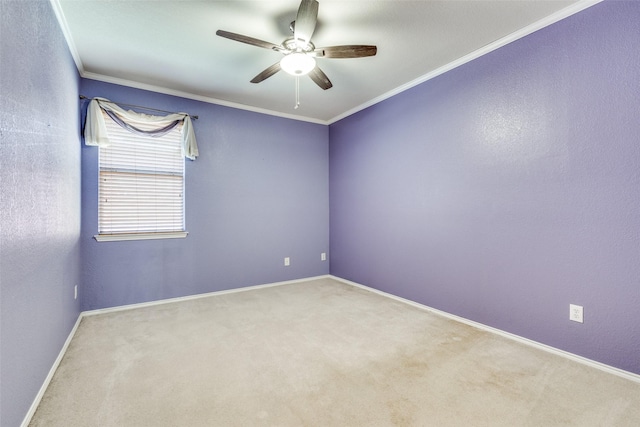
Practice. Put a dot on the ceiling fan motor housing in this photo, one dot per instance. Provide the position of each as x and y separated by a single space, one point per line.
293 46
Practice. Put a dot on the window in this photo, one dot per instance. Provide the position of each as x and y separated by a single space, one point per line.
141 170
141 184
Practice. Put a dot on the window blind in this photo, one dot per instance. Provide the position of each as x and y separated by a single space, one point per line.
141 182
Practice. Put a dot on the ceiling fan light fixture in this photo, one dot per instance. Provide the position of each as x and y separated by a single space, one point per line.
297 64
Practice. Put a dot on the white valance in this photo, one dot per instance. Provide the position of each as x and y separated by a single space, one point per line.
95 131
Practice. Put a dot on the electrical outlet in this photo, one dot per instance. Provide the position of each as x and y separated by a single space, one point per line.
287 262
323 256
576 313
75 292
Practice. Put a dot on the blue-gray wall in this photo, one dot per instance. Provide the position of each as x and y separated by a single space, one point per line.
39 200
259 192
508 188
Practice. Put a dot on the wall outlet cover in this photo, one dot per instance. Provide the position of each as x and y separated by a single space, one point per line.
576 313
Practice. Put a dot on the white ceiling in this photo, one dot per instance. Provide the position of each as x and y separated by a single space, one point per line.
171 46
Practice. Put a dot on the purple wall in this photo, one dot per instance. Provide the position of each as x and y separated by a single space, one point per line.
259 192
39 200
508 188
501 191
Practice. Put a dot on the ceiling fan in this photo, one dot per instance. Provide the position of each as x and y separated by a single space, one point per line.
299 53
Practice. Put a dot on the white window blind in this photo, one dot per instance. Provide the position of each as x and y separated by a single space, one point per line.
141 182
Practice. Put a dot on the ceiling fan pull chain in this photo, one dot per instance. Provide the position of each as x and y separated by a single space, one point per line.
297 93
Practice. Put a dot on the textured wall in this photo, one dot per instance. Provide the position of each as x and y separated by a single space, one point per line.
39 200
508 188
258 192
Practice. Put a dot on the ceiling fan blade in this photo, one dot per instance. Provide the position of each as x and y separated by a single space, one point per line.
248 40
320 78
266 73
305 22
347 51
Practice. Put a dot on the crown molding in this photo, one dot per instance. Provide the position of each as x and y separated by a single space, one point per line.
549 20
523 32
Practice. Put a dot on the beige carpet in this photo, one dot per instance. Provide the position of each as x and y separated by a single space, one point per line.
317 353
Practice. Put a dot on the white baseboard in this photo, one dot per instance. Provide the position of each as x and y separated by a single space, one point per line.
574 357
56 363
47 380
196 296
592 363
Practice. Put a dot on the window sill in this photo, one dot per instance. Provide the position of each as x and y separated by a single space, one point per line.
139 236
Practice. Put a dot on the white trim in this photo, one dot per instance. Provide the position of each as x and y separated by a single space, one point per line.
545 22
523 32
583 360
47 380
574 357
197 296
139 236
64 26
56 363
188 95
